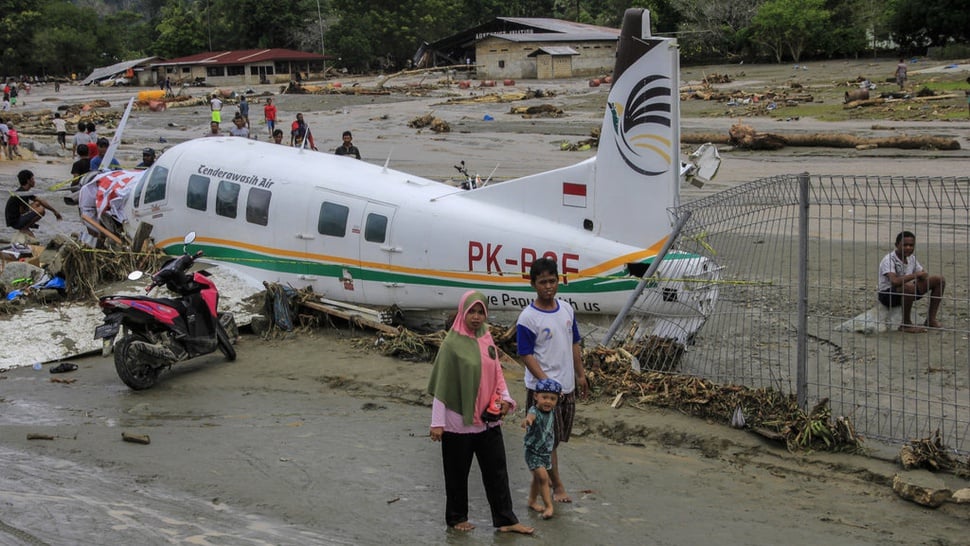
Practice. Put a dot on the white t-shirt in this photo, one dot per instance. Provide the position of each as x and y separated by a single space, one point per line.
60 125
216 104
552 335
892 263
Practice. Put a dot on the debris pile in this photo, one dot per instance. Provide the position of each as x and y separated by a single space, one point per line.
583 145
928 453
540 111
436 124
611 376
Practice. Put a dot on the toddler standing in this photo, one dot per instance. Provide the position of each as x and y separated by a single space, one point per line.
539 440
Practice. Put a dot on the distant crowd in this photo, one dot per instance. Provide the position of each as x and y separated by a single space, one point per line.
301 136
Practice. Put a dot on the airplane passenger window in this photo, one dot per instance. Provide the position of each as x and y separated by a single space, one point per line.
257 206
333 219
197 195
375 229
155 187
227 199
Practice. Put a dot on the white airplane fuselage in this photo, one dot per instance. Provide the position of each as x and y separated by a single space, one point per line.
366 234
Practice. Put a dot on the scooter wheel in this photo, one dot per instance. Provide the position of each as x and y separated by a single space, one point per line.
138 376
225 345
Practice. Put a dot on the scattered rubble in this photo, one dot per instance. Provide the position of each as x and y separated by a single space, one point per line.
436 124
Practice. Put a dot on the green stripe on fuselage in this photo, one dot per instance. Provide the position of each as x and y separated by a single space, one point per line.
617 281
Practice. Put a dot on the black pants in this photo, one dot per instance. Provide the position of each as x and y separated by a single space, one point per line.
456 454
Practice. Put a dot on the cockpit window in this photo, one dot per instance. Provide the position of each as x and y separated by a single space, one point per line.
155 187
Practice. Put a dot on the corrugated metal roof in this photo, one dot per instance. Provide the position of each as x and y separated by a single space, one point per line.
244 56
563 27
554 50
104 72
552 37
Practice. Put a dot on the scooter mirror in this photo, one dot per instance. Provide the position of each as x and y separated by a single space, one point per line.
135 275
189 238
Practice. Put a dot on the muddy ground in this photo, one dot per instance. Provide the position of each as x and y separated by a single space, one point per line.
317 439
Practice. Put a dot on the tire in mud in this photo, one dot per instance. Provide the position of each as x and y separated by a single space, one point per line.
134 374
225 345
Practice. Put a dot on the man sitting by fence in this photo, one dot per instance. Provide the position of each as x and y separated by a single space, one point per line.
902 281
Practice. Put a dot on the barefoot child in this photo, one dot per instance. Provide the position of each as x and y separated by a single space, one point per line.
539 440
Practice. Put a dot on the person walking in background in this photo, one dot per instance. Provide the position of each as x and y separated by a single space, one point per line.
213 130
300 132
96 161
60 127
13 142
548 343
147 158
901 74
470 400
92 130
239 128
269 115
244 112
902 281
347 147
3 138
215 105
80 139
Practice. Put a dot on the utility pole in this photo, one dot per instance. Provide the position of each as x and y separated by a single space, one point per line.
323 50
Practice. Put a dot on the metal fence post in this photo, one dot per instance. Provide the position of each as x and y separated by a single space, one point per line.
801 377
654 265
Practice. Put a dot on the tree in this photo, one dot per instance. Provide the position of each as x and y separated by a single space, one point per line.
180 31
790 25
18 18
916 24
395 29
714 28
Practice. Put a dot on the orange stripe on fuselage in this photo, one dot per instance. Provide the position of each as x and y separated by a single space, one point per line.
595 271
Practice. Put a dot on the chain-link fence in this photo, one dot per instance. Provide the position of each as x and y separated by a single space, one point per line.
797 260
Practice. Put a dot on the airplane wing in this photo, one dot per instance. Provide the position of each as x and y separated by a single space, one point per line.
116 139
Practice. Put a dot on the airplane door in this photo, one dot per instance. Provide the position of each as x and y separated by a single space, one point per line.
379 252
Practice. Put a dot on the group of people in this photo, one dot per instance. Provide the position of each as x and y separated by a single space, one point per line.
300 133
471 397
90 149
9 141
11 90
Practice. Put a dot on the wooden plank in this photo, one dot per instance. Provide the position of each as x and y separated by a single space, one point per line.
352 317
97 225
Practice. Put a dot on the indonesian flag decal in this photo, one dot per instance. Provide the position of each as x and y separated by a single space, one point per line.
573 195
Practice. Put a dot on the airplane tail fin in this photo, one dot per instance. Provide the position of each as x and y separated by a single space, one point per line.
637 173
625 191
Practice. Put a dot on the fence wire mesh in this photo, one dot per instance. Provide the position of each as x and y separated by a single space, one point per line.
894 386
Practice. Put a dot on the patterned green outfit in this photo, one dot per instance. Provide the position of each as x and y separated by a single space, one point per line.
539 439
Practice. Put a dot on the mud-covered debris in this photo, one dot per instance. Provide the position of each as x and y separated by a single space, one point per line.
928 453
539 111
436 124
583 145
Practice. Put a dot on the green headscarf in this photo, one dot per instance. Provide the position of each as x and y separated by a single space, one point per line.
457 369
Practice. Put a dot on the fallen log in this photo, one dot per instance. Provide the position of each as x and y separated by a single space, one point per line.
745 137
862 102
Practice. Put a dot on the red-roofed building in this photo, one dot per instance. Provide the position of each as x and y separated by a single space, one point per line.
240 67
